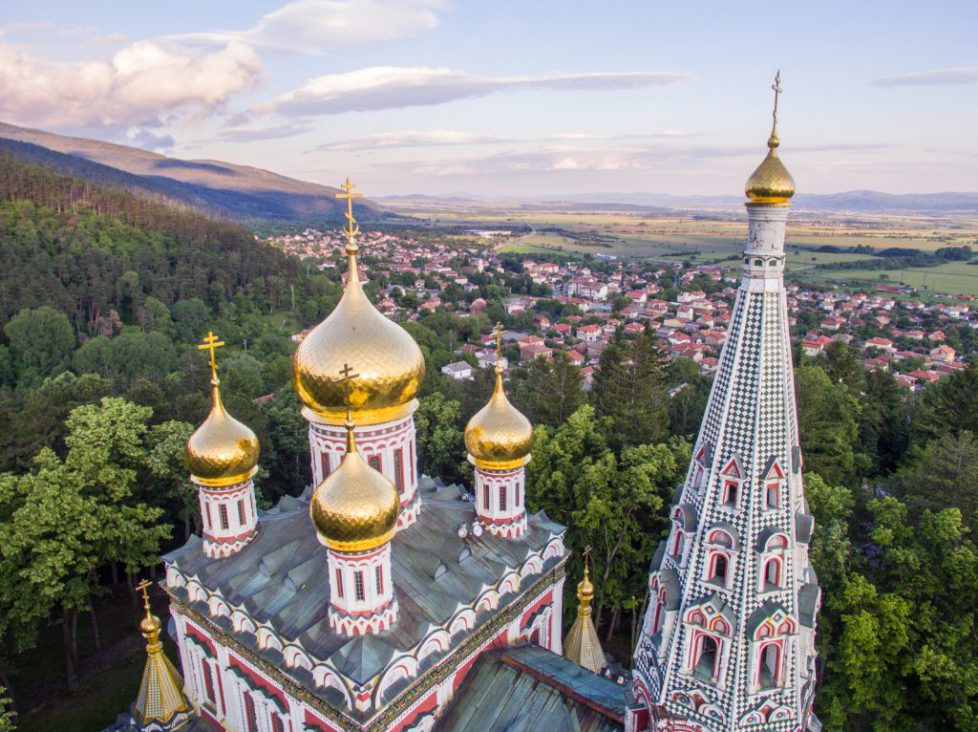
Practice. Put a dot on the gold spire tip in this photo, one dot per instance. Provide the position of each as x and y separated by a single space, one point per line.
211 343
351 230
773 140
144 588
498 331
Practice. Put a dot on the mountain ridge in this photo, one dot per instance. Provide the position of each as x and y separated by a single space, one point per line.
213 187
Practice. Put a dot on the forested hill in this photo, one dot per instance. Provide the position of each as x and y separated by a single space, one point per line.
85 249
215 188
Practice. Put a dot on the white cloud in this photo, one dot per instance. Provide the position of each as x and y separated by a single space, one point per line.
144 85
440 138
935 77
395 87
251 134
314 26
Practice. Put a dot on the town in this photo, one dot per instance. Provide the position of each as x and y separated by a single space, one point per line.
577 305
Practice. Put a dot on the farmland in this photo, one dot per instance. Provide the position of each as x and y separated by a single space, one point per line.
813 241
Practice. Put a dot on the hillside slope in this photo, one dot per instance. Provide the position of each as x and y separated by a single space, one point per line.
238 192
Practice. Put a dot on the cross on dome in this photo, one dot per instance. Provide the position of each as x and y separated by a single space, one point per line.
211 343
351 230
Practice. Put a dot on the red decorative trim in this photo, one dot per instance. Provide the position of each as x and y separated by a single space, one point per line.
229 539
194 632
259 681
545 599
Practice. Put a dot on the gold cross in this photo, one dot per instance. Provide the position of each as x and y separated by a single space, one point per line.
777 92
144 587
499 343
351 229
211 343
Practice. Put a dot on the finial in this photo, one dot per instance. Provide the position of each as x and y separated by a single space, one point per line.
351 230
773 140
498 331
587 557
346 377
144 588
211 343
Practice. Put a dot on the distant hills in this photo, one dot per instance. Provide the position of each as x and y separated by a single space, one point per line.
861 202
246 194
224 190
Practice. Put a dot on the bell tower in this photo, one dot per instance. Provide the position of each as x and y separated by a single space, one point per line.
728 640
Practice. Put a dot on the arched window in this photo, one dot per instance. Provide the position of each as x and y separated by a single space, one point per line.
719 567
677 546
657 618
769 661
502 497
772 574
706 658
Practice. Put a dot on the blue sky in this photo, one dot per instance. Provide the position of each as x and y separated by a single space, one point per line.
513 98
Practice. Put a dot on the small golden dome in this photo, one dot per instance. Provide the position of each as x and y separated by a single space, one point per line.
222 451
499 437
771 182
356 508
389 363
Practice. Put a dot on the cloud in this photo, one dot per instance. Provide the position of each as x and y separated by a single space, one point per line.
314 26
251 134
150 141
440 138
145 84
395 87
936 77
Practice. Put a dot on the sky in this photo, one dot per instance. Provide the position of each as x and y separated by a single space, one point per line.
513 98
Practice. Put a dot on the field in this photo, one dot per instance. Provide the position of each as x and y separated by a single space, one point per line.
719 237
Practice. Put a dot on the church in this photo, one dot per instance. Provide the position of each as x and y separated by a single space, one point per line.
383 599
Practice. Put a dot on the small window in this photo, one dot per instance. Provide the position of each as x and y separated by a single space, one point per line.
379 573
677 547
339 583
374 462
706 658
277 724
208 519
242 519
224 515
399 469
720 568
502 498
251 716
730 491
772 574
516 499
770 662
485 497
358 592
772 495
208 682
324 461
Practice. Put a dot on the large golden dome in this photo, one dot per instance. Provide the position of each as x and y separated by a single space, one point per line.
499 437
388 363
222 451
356 508
771 182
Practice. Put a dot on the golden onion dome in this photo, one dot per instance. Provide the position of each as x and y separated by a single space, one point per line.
356 508
499 437
222 451
771 182
388 362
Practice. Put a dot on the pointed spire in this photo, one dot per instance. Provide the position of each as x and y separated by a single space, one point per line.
582 645
160 699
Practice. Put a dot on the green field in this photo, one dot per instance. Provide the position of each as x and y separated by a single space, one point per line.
702 239
953 278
